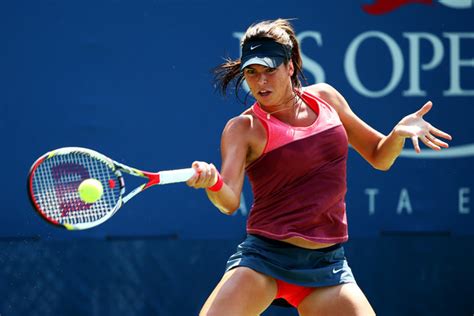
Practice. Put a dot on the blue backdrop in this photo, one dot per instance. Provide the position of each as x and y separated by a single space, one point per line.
133 80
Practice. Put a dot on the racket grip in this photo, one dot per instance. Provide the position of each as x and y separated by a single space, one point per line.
174 176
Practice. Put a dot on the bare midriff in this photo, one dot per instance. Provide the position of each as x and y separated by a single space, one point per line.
304 243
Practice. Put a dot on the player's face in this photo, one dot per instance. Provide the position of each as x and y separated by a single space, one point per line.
270 86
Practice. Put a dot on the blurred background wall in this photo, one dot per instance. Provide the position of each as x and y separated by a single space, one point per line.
133 80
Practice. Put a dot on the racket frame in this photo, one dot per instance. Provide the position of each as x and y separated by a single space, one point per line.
153 178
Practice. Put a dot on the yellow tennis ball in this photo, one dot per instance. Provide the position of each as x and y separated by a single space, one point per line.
90 190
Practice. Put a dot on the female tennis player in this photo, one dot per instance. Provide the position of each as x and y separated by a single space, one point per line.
293 144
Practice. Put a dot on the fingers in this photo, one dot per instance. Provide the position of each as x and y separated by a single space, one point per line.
205 176
417 128
416 144
437 141
440 133
424 109
430 141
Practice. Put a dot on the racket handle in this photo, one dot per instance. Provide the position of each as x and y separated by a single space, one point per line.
174 176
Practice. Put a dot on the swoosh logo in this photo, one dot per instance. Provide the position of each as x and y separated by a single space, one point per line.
253 47
449 153
337 271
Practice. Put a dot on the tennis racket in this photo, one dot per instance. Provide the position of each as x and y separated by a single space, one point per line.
54 179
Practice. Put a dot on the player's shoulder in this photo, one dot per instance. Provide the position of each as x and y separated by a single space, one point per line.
329 94
322 90
242 122
244 125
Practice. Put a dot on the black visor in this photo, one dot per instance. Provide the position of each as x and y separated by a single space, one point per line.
265 52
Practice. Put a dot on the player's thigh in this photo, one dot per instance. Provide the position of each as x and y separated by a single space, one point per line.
344 299
241 291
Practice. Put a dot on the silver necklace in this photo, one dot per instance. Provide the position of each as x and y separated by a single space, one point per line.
285 108
269 114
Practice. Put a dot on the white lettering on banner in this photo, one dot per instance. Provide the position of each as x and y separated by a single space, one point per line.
310 65
415 56
464 200
350 64
404 202
237 35
414 62
456 63
371 192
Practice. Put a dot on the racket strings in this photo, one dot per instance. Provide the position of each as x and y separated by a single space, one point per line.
55 188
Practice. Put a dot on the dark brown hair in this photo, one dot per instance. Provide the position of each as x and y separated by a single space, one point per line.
281 31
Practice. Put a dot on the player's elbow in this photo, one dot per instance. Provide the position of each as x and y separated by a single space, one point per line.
228 209
227 202
382 166
381 162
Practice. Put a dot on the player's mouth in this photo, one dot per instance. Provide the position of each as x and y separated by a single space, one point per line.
264 93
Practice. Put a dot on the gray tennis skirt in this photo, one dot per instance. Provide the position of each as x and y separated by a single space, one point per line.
292 264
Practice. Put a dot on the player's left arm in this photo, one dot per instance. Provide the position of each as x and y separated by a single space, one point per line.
378 149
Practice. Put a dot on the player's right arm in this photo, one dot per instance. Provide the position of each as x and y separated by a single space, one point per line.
235 151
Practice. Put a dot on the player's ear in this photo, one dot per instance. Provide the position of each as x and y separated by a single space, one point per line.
291 68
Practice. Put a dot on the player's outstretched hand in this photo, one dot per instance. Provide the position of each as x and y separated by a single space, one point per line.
206 175
415 127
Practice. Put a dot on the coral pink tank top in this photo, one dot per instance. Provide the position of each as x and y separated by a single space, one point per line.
299 182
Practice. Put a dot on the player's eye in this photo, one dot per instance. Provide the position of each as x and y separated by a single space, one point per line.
249 71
